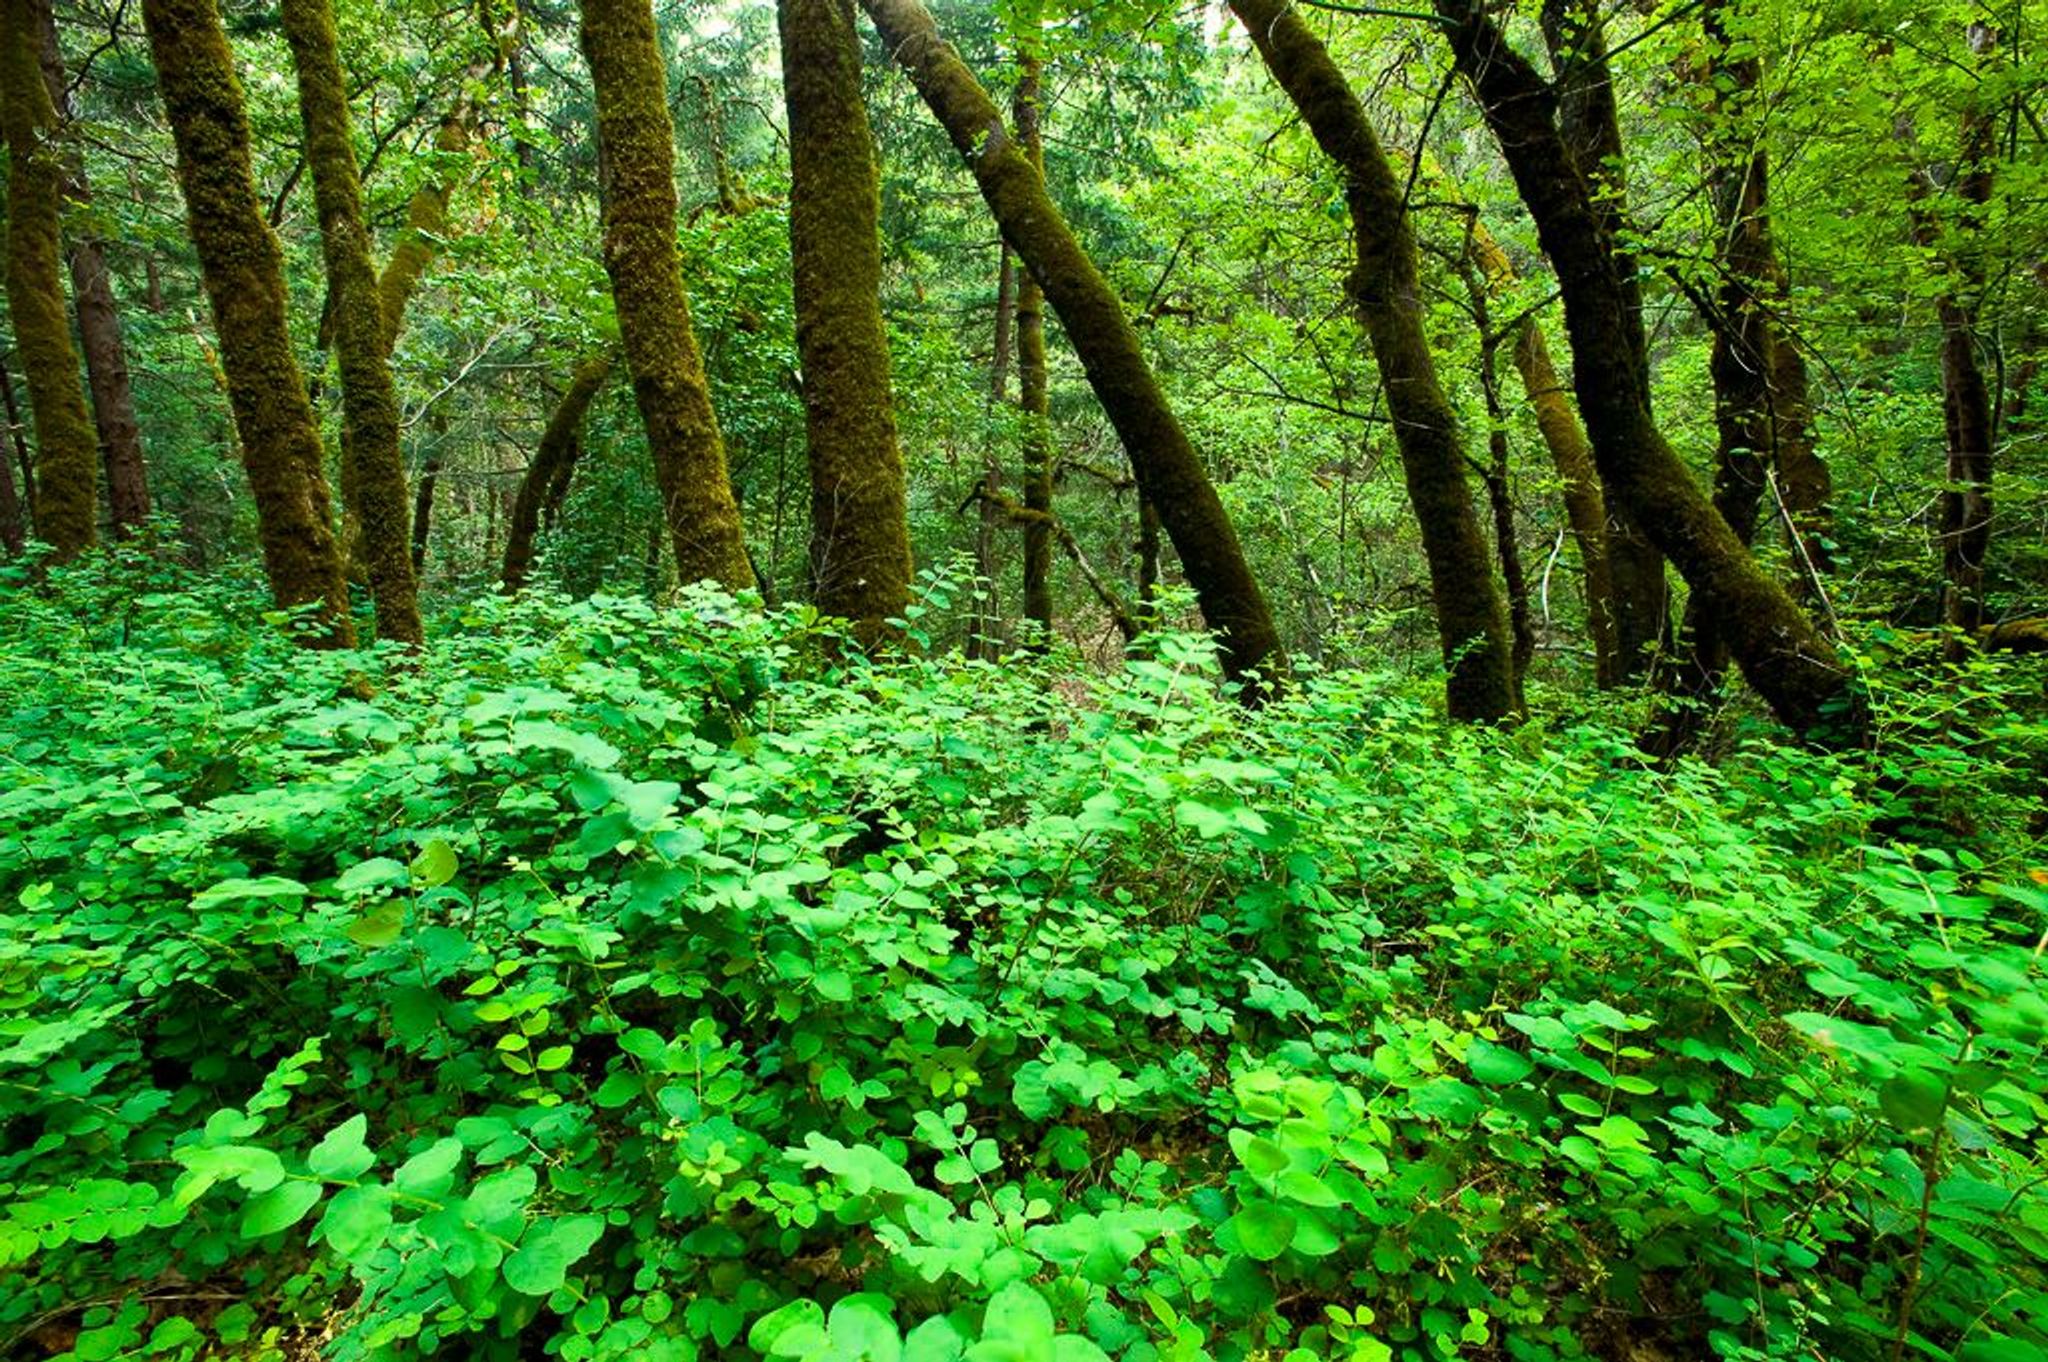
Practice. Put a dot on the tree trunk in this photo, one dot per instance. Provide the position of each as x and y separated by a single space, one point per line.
99 321
1168 470
423 495
13 532
1780 651
987 598
1386 290
638 199
560 444
17 437
1032 395
243 273
373 477
1148 559
860 532
66 508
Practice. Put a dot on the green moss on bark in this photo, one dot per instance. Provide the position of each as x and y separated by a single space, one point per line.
860 536
639 209
66 496
243 273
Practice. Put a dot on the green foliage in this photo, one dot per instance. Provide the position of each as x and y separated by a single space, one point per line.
625 983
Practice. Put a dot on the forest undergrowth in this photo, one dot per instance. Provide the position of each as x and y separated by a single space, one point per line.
613 981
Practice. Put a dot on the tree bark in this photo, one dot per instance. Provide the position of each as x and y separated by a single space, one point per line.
243 273
373 477
1027 116
423 494
560 444
638 199
1168 470
987 598
1788 661
860 532
17 436
1386 290
99 320
13 530
66 492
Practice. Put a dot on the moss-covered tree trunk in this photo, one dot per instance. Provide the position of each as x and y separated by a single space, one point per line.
638 194
1788 661
860 533
13 525
66 493
99 318
560 445
373 476
1033 389
1169 472
243 273
1386 290
17 439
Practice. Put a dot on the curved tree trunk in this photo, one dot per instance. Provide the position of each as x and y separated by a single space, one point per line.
66 496
1785 658
560 444
1032 381
373 478
1386 289
99 321
638 194
243 273
860 533
1169 472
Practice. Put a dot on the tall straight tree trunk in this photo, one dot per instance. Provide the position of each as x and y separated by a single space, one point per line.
373 477
638 194
423 492
243 272
560 443
13 529
66 494
1168 470
1785 658
988 497
17 438
1590 125
1028 117
1386 290
99 320
860 532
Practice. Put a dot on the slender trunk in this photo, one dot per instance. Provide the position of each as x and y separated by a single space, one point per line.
987 606
373 477
1782 654
860 532
17 436
423 498
66 509
1148 558
638 199
1500 499
99 320
1169 472
1032 398
560 444
1386 290
13 533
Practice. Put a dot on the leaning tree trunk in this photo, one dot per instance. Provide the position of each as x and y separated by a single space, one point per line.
99 320
560 444
1028 115
1788 661
638 197
66 506
860 533
373 476
243 273
1386 289
1169 472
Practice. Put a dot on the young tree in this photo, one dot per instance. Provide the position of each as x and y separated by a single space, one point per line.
373 476
860 533
639 210
1386 290
66 496
1028 114
560 444
243 273
1169 472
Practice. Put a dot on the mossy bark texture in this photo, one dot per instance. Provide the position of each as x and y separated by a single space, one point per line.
1169 472
99 318
1386 290
1028 116
560 444
67 455
639 207
243 273
1785 658
373 476
860 534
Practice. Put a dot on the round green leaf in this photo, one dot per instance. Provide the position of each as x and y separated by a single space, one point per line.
1263 1230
